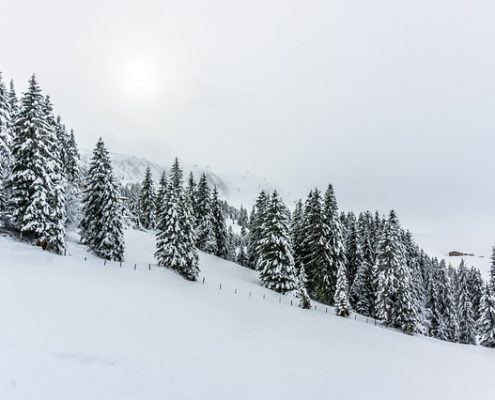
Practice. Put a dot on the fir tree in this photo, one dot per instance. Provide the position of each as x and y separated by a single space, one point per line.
204 217
297 235
394 303
318 251
255 229
467 328
486 321
147 202
160 199
276 263
492 269
354 255
218 226
175 234
302 293
34 186
101 223
6 133
362 295
341 300
191 192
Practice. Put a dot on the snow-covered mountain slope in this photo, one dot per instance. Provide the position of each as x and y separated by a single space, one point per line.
75 329
236 188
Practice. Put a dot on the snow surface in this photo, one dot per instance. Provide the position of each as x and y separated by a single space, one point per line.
75 329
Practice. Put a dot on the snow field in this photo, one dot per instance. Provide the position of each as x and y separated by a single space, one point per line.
75 329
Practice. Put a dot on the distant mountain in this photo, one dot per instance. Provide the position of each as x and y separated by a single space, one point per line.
236 188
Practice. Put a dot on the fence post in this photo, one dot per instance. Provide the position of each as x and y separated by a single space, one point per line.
263 296
235 291
120 264
203 280
375 322
280 299
104 262
135 265
220 285
316 307
326 310
291 302
65 252
85 258
149 267
355 316
249 294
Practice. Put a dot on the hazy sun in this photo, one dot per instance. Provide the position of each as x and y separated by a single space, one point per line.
139 76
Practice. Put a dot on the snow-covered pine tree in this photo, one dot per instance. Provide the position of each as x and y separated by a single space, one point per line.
336 242
394 303
147 203
34 187
57 203
256 228
232 242
218 226
318 251
362 294
175 247
101 223
467 325
475 283
160 198
353 251
243 219
486 321
297 234
72 168
302 293
276 263
241 257
491 279
341 297
191 192
204 217
6 134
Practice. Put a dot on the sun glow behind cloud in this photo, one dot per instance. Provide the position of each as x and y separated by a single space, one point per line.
138 76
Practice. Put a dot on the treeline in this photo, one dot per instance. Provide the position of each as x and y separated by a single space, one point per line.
369 264
366 263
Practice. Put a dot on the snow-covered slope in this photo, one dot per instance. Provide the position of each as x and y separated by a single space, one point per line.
75 329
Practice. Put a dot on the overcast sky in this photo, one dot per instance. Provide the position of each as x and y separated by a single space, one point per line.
392 101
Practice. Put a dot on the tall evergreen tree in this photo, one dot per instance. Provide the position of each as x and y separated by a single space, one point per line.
492 269
362 294
175 234
467 327
219 227
302 293
6 134
318 251
147 203
297 235
394 303
255 229
276 263
101 223
34 186
160 198
342 306
204 217
486 322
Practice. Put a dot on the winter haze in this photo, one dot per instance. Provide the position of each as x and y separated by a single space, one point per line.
390 101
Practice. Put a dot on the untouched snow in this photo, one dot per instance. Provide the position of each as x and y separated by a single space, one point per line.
75 329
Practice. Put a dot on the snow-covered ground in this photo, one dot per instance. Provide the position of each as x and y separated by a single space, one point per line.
75 329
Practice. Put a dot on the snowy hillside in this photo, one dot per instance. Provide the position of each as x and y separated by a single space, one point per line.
84 330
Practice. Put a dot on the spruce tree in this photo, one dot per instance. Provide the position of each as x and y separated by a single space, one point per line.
302 293
467 326
204 217
394 303
297 235
255 229
160 204
353 251
6 133
486 321
362 294
35 194
175 247
318 251
276 263
218 226
191 192
147 212
341 299
491 278
101 223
